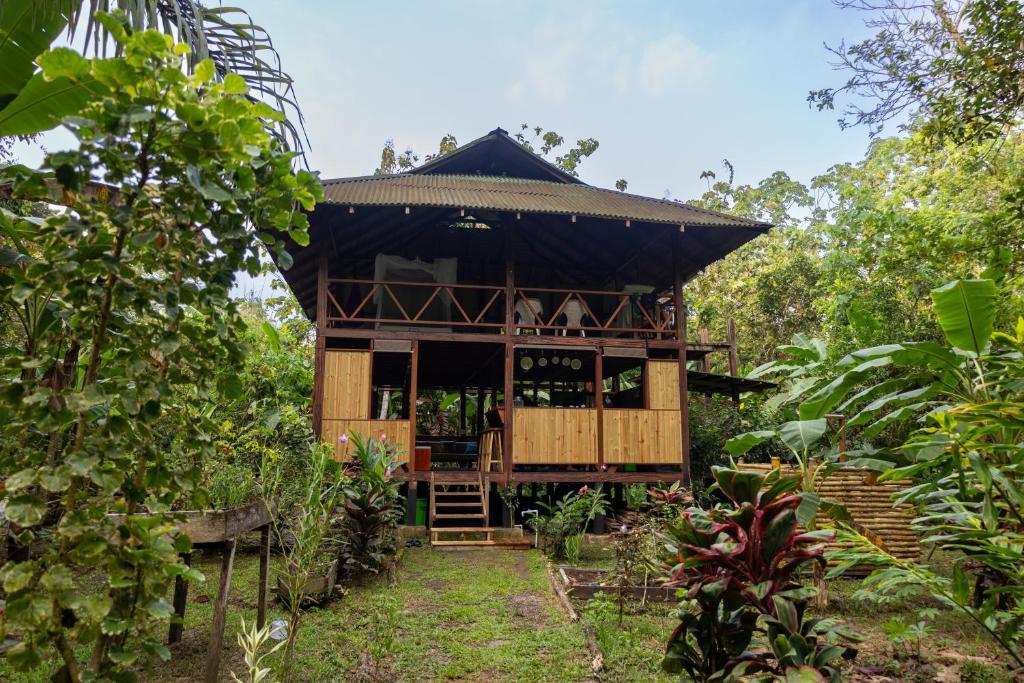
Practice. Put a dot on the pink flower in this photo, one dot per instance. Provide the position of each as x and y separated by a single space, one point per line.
583 489
343 439
387 474
383 436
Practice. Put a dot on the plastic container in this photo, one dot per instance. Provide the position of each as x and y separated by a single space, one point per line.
278 629
423 458
421 512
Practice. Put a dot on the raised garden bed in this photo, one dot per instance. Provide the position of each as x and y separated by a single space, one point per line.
584 584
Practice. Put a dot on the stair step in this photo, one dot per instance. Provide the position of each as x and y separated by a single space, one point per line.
463 529
477 515
457 493
443 504
487 542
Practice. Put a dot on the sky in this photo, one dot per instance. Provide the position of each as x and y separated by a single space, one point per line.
669 88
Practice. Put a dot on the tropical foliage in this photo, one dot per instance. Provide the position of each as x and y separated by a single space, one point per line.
31 101
562 529
739 563
966 461
369 536
306 526
116 300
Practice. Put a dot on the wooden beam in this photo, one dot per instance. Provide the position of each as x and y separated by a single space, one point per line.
680 306
521 340
320 352
510 352
704 337
462 411
734 354
567 477
599 405
414 366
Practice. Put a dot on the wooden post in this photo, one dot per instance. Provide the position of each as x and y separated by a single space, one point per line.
680 306
411 488
705 339
319 354
462 411
480 399
220 613
264 587
599 405
510 354
180 600
734 354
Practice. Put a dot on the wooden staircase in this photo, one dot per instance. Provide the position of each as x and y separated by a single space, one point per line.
458 512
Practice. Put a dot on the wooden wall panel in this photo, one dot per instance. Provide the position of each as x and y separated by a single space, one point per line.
643 437
662 384
554 436
346 385
397 431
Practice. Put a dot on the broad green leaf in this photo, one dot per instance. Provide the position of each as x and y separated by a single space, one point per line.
890 401
800 435
42 103
822 401
25 509
230 385
18 576
742 443
63 62
741 487
204 71
808 508
804 674
966 310
961 586
272 336
26 30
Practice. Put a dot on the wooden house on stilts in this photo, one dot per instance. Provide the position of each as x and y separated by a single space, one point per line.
554 308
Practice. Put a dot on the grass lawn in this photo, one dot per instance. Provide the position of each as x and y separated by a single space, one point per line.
471 615
490 615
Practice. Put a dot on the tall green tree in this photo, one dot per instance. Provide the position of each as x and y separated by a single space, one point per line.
953 64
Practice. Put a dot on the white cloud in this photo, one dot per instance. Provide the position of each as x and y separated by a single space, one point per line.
548 71
671 62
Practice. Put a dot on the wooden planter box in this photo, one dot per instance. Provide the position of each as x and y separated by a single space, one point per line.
217 526
220 526
584 584
221 529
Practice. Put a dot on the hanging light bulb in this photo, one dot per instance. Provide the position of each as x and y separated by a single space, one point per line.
526 363
554 360
542 362
566 361
576 364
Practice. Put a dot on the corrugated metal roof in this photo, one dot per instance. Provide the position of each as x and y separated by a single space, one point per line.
519 194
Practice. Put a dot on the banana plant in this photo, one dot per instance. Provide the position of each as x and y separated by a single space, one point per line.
32 103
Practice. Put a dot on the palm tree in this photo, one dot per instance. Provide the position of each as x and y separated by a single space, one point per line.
226 35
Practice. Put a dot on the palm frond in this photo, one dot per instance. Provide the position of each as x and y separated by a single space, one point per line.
226 35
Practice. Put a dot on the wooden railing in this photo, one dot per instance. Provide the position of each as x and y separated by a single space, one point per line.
488 313
481 308
604 313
